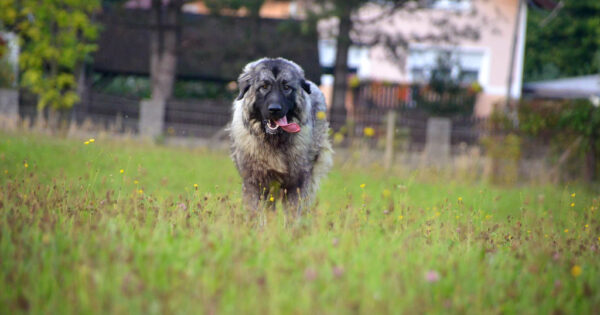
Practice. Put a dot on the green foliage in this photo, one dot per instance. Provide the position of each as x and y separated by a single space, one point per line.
446 94
577 118
566 45
564 123
55 39
78 236
7 73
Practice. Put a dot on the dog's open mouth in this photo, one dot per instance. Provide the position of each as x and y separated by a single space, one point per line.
273 125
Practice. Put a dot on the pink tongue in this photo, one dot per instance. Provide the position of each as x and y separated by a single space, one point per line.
283 123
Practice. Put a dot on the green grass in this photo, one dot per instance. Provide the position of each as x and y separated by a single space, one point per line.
79 236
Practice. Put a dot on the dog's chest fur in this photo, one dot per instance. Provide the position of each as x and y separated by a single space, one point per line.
267 160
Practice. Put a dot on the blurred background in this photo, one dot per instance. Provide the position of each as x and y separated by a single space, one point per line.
506 90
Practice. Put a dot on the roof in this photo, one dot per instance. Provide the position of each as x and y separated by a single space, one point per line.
544 4
569 88
211 47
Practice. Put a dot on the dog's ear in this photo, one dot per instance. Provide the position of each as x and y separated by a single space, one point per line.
244 82
305 86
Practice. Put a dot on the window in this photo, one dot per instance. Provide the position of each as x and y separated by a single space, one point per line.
453 5
464 66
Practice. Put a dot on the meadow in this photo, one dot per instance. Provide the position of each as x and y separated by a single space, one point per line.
121 226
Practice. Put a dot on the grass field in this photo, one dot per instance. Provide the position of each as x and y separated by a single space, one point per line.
126 227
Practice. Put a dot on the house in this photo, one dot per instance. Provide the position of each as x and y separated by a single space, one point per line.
484 40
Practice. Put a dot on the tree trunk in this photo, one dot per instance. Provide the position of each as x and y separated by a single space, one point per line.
163 50
340 83
163 63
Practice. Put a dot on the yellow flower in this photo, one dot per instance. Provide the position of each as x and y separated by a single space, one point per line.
566 230
25 165
369 132
362 185
487 217
92 140
457 216
437 214
386 193
87 142
546 235
576 271
400 217
122 171
573 195
140 191
338 138
136 182
271 199
321 115
196 186
459 198
587 226
572 204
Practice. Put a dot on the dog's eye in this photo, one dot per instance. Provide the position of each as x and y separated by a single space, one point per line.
264 86
286 87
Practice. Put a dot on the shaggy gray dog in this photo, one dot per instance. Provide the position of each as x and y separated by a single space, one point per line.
279 134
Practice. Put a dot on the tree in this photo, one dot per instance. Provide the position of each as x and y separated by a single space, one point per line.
563 43
55 37
351 29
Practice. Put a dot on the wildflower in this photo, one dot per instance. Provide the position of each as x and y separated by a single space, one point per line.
459 199
566 230
87 142
432 276
487 217
196 186
92 140
572 204
271 199
362 185
587 226
338 271
310 274
140 191
546 235
457 216
369 132
576 271
437 213
121 171
386 193
338 138
573 195
321 115
25 165
400 217
136 182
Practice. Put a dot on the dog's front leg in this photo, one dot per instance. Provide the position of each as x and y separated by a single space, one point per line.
251 194
294 199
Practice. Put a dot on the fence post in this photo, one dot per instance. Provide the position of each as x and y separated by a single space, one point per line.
9 108
388 157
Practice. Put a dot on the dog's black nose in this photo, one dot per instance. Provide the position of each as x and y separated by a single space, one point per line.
274 108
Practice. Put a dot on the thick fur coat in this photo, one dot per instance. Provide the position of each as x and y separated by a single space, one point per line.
268 158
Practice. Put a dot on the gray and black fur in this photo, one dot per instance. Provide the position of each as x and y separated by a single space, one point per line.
296 162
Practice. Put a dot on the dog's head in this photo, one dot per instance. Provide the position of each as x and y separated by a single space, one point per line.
274 89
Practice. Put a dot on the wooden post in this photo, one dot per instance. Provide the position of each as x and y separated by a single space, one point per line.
388 157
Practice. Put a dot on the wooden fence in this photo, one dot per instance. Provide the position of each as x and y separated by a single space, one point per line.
371 104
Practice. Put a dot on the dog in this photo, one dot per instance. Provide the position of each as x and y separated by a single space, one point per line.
279 135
